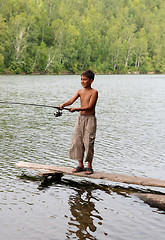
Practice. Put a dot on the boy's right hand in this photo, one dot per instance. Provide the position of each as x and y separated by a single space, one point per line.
72 109
61 106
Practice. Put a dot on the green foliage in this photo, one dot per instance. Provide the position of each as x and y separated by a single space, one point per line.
1 63
15 67
53 36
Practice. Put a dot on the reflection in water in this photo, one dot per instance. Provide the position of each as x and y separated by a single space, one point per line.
84 214
90 208
85 217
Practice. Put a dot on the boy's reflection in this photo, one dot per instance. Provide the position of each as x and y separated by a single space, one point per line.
84 214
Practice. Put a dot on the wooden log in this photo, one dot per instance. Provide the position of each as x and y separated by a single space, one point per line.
154 200
97 175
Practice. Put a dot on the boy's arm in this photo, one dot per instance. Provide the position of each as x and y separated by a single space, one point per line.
91 104
70 101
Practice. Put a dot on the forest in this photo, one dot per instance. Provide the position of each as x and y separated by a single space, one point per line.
69 36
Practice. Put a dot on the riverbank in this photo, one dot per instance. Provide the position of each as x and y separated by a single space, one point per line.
78 73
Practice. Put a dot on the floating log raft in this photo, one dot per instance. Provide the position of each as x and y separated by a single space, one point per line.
52 170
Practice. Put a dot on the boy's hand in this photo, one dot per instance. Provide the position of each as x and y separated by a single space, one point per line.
72 109
61 106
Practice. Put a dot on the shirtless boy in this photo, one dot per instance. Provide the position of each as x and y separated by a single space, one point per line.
85 129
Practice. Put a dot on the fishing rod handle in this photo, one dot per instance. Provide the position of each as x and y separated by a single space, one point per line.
64 108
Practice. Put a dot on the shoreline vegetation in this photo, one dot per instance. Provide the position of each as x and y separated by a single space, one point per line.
61 36
79 73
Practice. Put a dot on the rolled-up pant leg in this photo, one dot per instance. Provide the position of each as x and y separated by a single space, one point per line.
77 146
89 137
83 138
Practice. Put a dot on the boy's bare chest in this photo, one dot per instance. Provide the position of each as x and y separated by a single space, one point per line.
85 97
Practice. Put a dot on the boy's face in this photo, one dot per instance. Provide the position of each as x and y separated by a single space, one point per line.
86 82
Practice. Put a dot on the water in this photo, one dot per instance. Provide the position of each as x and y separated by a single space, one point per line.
130 140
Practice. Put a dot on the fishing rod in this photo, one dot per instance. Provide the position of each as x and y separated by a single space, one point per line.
56 114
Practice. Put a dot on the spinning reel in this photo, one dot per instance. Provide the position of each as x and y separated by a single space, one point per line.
58 113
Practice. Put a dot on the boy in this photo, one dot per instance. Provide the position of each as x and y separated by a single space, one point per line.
85 129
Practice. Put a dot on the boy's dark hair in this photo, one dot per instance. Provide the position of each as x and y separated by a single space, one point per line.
89 74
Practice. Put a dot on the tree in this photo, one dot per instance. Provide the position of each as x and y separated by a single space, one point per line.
3 39
63 35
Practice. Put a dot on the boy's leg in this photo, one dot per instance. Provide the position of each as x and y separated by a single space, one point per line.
80 167
77 146
89 139
89 169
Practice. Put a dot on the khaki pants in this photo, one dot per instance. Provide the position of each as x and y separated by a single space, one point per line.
83 138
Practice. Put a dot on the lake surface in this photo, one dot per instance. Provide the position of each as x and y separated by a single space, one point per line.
130 140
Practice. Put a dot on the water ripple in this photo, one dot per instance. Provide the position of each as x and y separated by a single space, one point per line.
130 140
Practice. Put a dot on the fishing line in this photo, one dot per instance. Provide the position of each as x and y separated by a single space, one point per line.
56 114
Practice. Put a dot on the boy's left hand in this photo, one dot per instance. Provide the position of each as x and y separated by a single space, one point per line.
72 109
